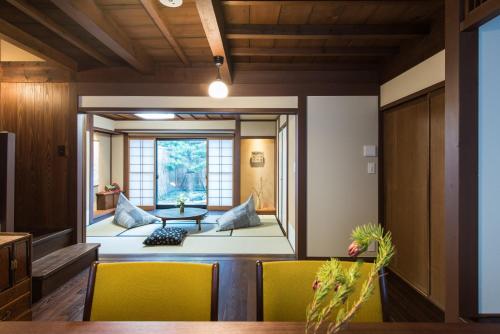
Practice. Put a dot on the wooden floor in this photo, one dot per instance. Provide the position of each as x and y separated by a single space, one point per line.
237 295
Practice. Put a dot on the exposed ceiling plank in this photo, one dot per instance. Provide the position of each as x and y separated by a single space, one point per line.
152 9
314 52
31 44
323 2
47 22
343 66
210 12
101 26
325 31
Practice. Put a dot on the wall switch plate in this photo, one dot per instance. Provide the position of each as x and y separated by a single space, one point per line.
370 151
372 168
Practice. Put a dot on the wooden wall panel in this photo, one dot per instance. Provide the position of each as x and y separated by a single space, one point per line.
406 159
43 117
437 214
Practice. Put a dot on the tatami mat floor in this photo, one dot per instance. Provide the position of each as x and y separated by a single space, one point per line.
264 239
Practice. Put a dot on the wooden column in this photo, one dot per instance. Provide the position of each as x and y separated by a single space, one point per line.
236 162
7 180
460 167
301 180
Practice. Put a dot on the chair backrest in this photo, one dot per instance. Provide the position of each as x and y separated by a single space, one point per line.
284 290
152 291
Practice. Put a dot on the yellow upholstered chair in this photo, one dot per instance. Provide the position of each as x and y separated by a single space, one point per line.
152 291
284 290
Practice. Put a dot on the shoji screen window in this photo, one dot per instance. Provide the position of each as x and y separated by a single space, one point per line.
141 172
220 173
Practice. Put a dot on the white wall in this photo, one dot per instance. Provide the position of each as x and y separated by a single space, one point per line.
489 167
103 123
258 129
429 72
340 192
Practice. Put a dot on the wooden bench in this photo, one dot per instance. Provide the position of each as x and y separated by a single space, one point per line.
53 270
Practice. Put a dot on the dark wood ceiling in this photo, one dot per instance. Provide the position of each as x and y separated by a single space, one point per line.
142 33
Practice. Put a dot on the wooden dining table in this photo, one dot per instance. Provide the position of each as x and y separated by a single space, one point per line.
234 327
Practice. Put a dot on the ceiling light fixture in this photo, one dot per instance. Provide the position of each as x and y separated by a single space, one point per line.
171 3
156 116
218 89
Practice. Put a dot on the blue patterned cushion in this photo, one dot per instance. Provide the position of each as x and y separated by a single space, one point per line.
242 216
166 236
128 215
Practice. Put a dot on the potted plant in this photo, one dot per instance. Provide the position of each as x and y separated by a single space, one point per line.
334 283
181 202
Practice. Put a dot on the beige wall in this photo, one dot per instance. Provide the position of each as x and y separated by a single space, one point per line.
264 129
251 176
103 123
188 102
117 156
10 52
340 193
104 159
427 73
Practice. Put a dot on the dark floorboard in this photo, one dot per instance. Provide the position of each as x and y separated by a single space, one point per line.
236 295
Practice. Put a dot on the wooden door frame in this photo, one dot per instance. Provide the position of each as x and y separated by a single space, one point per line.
300 156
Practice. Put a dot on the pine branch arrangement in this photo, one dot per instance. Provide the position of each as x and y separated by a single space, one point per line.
334 284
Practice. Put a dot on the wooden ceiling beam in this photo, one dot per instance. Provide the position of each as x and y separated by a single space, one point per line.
48 23
211 15
314 52
325 31
88 15
152 9
324 2
25 41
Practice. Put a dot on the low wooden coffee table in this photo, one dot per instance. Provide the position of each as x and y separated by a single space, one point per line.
174 214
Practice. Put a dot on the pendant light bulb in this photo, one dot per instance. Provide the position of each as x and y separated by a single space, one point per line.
218 89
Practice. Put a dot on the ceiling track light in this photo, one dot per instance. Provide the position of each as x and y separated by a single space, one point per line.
218 89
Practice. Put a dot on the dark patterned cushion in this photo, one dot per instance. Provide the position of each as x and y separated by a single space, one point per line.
166 236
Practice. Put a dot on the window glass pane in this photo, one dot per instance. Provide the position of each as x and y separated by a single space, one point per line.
182 169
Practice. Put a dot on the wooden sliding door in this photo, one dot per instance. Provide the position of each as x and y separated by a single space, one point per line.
414 191
406 163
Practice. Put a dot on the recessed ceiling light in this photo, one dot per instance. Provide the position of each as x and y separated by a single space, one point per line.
171 3
156 116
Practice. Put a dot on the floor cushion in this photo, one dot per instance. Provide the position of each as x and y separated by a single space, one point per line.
166 236
128 215
244 215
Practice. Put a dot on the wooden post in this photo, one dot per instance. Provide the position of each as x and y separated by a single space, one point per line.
7 180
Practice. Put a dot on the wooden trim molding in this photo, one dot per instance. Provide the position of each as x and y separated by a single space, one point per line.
301 180
89 296
260 290
7 180
214 307
482 13
237 163
461 150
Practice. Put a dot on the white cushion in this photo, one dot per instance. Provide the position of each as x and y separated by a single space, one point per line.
244 215
128 215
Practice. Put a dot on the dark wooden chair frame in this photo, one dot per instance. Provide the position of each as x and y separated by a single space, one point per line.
260 292
214 306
